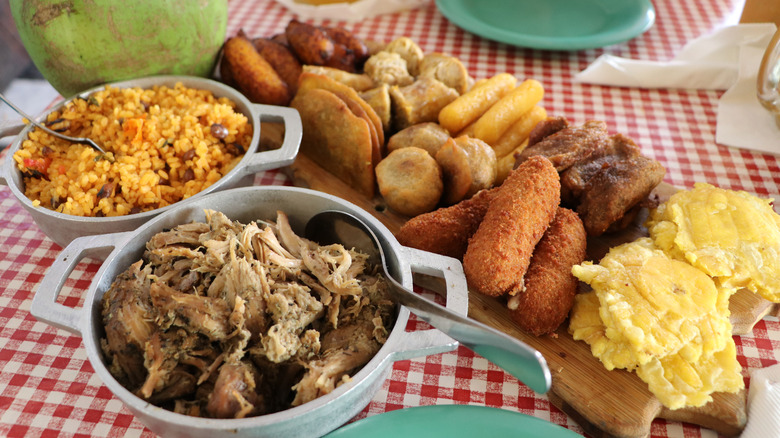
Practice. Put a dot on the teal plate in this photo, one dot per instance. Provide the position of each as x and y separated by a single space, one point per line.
452 421
552 24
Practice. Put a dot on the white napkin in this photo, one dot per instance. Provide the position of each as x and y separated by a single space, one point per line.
351 12
764 404
707 62
742 121
728 58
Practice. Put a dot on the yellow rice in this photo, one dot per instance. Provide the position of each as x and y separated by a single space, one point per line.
159 150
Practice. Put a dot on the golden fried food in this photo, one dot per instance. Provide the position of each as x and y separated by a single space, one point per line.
470 106
357 109
500 251
282 59
409 51
429 136
518 133
661 317
379 99
349 51
505 164
252 74
548 289
419 102
732 236
447 69
456 171
410 181
309 81
500 116
357 81
335 138
482 163
447 231
388 68
310 43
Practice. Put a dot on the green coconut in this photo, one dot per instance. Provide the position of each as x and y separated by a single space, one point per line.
79 44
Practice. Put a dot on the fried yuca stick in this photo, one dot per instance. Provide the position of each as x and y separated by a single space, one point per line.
500 251
499 117
469 106
519 131
505 164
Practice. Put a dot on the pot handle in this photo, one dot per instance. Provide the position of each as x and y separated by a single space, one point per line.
293 132
44 305
425 342
7 131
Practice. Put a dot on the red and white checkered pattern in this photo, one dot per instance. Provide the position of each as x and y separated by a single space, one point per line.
48 388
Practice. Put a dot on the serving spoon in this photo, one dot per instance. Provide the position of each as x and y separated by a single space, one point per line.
81 140
514 356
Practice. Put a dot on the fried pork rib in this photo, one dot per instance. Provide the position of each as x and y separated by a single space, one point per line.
226 320
604 178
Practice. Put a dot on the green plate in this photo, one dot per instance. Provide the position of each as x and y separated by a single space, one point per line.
552 24
451 421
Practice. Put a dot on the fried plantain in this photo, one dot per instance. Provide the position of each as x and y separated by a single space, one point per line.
252 74
282 59
310 43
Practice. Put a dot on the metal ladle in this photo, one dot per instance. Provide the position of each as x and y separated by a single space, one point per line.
514 356
81 140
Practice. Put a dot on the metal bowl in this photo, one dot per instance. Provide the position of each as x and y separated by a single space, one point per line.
314 418
63 228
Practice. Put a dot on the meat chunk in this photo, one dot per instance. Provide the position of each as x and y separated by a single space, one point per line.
546 128
574 179
615 190
235 394
570 145
128 317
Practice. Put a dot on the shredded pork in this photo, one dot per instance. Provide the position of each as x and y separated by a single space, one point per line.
226 320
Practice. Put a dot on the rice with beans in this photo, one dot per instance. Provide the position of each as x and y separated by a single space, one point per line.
162 145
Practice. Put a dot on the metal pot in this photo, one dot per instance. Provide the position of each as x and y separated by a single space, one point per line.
314 418
63 228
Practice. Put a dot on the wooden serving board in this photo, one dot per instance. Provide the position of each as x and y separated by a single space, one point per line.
605 403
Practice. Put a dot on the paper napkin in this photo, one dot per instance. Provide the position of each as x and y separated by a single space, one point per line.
355 11
728 59
764 403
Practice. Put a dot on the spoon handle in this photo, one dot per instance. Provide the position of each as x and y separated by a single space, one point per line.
515 357
83 140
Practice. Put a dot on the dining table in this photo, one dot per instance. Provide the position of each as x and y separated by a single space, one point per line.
49 389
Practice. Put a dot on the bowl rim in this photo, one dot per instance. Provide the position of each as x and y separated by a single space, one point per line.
374 370
13 175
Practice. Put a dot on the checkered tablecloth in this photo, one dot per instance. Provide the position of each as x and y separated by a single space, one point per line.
48 388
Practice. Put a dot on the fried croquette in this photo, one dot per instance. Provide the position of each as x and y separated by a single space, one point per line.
446 231
498 254
549 287
410 181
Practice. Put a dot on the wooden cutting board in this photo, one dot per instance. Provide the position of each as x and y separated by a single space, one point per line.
605 403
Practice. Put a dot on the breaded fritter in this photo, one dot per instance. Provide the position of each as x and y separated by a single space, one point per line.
498 254
446 231
410 181
549 287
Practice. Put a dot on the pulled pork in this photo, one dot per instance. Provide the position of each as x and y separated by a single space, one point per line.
225 320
